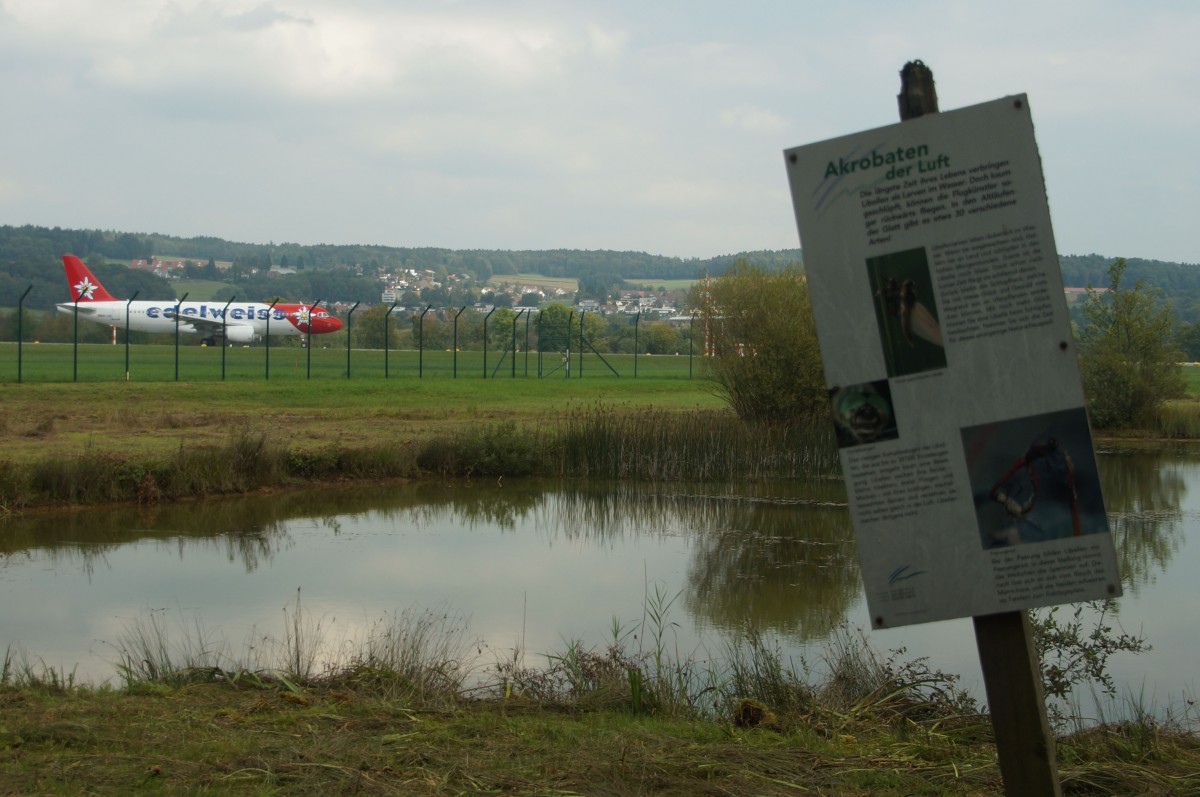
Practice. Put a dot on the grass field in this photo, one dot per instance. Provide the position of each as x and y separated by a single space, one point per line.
310 404
50 362
654 283
1191 377
569 284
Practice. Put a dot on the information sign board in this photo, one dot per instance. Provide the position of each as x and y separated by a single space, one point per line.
951 367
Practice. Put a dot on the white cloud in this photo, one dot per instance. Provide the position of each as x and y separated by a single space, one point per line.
753 120
535 124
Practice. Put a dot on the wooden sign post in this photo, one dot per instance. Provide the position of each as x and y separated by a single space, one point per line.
1011 670
953 383
1013 681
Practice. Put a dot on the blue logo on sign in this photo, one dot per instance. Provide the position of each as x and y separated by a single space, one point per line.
900 574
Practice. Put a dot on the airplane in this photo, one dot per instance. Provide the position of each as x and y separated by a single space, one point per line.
243 322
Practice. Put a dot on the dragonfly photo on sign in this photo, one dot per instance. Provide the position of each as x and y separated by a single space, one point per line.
1034 479
906 312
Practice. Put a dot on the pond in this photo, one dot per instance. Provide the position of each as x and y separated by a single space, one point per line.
530 566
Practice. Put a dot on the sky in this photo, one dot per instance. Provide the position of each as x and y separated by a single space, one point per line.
533 124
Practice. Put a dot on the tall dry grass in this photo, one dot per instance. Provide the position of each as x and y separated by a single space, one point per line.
597 442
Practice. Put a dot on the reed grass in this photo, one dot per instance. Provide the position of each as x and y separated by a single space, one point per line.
17 670
762 685
697 446
1178 420
500 449
149 653
598 442
423 653
641 670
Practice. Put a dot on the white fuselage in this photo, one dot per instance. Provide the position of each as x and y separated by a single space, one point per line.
240 321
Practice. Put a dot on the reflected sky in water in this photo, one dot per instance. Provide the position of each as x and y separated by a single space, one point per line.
535 564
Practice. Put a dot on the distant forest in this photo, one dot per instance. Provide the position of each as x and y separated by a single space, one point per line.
31 256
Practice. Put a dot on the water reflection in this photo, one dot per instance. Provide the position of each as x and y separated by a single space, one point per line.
785 569
778 557
776 552
250 531
1143 493
521 557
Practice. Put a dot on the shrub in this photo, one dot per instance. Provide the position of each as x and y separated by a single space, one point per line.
1127 354
765 361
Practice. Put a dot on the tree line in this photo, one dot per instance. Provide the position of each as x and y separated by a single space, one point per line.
768 365
29 255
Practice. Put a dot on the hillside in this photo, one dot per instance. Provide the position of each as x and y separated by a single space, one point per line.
1179 282
29 256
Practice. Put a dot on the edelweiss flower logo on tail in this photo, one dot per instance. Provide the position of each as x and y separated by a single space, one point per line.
85 288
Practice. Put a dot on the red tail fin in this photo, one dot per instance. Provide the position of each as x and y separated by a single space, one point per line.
82 282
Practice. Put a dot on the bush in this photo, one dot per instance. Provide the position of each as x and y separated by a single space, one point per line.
766 361
1128 358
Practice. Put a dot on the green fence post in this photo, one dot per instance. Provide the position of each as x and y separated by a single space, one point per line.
224 329
127 304
387 317
421 343
75 345
349 318
312 310
454 368
485 341
178 312
20 328
637 319
267 337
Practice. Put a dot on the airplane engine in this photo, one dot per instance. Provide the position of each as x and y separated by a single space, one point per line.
239 334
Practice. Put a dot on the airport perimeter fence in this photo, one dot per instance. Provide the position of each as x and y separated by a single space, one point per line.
525 348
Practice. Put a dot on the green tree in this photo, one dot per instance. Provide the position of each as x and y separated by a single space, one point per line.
765 360
499 327
1188 341
10 323
1128 353
496 299
659 337
369 326
594 328
600 285
553 327
432 333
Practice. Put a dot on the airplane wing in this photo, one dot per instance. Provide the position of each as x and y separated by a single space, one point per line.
209 326
206 325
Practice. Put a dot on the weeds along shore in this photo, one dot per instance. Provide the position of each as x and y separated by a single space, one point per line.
419 707
645 444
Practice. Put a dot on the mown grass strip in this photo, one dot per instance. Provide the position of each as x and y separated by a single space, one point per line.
92 362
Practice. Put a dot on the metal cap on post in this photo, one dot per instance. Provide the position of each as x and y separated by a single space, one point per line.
917 95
